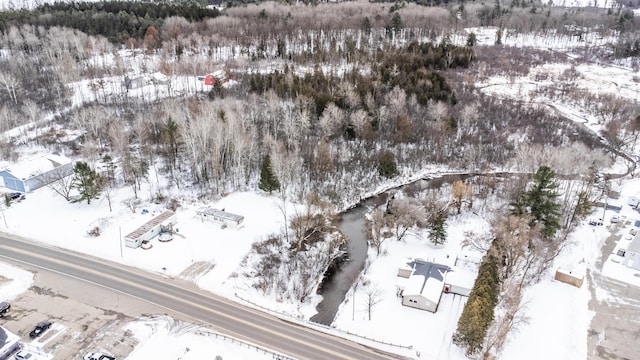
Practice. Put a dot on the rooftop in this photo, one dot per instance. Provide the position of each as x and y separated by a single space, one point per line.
36 166
427 280
220 213
635 244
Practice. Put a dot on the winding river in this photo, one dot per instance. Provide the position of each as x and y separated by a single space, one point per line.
343 273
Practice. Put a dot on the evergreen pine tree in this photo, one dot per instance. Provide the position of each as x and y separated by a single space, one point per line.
477 314
438 228
268 180
86 181
396 22
387 165
541 201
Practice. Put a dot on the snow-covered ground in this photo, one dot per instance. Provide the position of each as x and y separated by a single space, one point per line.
222 250
160 337
202 242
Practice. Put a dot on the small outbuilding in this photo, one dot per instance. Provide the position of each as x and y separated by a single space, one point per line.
9 343
150 229
225 219
459 281
632 255
35 173
570 275
425 285
405 269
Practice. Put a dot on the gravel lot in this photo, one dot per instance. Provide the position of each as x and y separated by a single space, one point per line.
85 317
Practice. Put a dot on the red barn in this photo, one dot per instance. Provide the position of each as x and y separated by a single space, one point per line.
210 80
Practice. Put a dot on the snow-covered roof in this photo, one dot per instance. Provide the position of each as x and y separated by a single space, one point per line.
461 277
441 259
573 270
427 280
165 217
220 213
406 264
7 340
38 165
634 247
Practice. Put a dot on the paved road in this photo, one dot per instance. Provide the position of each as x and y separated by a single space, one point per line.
184 298
615 328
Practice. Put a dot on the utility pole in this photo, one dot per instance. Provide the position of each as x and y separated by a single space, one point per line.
120 231
3 217
353 313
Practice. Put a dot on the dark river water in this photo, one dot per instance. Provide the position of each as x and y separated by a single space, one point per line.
341 277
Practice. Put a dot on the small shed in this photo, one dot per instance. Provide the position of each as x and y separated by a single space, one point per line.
210 79
425 285
9 343
35 173
134 82
405 268
570 275
459 281
632 255
150 229
220 217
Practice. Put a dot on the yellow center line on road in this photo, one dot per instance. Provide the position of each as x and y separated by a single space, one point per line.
149 289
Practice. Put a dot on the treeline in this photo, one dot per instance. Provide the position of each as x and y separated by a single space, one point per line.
412 69
477 314
115 20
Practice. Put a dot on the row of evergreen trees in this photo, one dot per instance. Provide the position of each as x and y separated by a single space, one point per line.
540 203
477 314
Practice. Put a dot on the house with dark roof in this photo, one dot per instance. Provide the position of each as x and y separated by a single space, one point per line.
425 285
427 281
9 343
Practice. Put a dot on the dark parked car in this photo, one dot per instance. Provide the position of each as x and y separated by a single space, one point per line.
98 356
16 196
4 308
40 328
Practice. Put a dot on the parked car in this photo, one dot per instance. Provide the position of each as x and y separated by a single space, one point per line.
615 219
97 356
595 222
24 355
4 308
16 196
41 327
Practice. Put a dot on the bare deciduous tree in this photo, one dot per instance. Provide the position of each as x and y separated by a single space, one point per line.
376 229
373 296
60 182
406 213
462 192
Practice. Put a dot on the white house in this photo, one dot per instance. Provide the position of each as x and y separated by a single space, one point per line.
220 217
632 255
150 229
425 285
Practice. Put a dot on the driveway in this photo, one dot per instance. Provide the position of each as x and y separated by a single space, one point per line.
615 328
